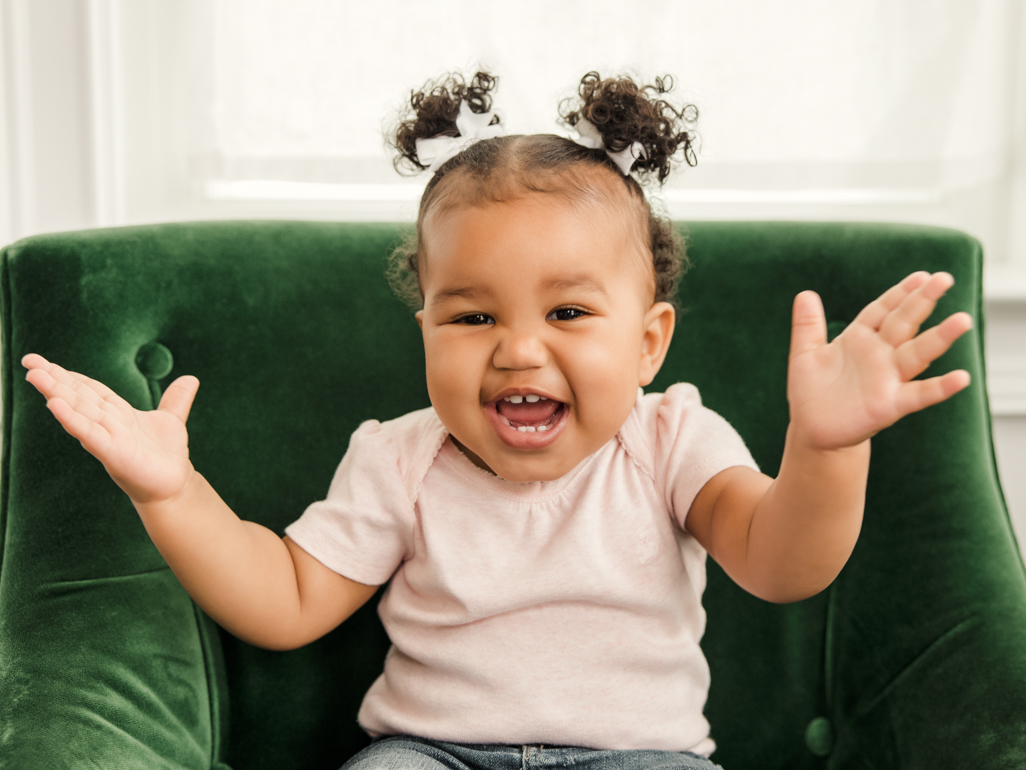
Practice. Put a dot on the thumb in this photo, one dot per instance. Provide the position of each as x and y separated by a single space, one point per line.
177 399
808 324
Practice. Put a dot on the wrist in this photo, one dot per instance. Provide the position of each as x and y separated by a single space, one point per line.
801 448
807 440
174 500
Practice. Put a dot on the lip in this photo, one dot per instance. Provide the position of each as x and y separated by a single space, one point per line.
516 439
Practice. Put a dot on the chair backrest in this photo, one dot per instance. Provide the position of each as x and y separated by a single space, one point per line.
296 339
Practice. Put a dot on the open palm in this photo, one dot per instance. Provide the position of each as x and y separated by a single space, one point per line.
146 453
844 392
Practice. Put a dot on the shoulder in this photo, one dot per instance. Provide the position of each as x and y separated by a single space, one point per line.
682 444
407 435
655 417
402 448
365 526
673 430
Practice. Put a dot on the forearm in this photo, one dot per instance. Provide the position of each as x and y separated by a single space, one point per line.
239 572
805 526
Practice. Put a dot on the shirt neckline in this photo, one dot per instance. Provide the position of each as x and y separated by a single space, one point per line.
528 491
518 491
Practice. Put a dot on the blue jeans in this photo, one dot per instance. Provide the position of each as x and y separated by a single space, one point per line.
404 752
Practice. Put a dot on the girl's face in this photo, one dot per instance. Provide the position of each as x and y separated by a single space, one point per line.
539 327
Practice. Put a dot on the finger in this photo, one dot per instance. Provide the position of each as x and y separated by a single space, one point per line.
97 387
103 414
902 323
178 397
105 394
86 387
47 376
808 323
915 355
920 394
77 399
33 361
93 437
873 314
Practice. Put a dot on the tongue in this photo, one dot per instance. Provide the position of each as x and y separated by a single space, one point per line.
539 411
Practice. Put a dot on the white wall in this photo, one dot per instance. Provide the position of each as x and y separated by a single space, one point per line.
46 111
95 130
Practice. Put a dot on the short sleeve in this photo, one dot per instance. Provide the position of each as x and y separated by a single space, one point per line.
693 444
364 529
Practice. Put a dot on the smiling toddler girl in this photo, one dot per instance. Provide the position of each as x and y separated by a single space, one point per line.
543 526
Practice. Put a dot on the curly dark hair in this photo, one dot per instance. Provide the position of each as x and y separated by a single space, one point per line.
435 108
623 113
504 167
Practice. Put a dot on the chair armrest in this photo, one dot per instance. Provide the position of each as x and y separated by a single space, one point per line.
104 659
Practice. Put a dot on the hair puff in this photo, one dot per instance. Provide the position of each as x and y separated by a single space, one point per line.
624 112
434 110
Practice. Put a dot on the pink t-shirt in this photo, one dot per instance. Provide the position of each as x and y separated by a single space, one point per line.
563 612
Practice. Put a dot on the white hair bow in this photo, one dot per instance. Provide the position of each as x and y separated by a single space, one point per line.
590 137
473 127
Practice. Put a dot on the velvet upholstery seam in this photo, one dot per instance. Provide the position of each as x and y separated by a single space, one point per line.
106 578
970 621
981 341
829 646
8 400
208 665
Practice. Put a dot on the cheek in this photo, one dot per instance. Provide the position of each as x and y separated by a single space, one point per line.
449 365
437 363
608 364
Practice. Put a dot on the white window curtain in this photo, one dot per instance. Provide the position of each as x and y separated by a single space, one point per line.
857 109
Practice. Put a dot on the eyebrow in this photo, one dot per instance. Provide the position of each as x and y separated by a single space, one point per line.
572 282
585 282
456 292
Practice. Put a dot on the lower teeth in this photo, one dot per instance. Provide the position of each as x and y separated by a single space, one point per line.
527 428
532 428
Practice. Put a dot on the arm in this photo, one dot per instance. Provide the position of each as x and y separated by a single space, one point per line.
264 589
787 538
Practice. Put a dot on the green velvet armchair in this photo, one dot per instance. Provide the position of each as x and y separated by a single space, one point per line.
914 658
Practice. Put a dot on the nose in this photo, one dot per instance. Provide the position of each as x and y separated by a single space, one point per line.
519 350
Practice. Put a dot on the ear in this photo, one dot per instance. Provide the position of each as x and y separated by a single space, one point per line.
655 342
419 315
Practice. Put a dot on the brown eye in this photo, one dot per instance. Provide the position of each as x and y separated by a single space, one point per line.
475 319
566 314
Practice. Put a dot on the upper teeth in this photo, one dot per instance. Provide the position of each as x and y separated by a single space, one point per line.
529 398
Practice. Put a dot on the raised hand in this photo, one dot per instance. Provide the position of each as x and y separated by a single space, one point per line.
844 392
146 453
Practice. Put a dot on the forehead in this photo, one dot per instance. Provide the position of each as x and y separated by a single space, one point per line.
539 234
588 216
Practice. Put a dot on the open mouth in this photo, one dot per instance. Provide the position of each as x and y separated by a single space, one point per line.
529 414
528 421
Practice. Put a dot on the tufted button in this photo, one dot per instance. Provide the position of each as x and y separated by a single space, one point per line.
819 736
154 361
